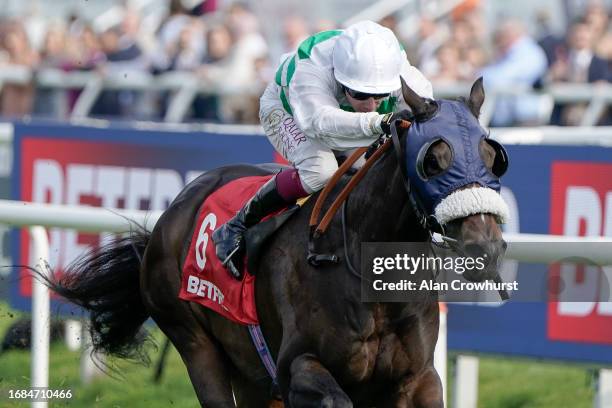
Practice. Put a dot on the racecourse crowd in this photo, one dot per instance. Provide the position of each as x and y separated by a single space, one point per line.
227 49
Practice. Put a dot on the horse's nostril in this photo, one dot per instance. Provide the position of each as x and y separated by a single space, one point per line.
474 250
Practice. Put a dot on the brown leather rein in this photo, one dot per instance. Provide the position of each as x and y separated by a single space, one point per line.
322 226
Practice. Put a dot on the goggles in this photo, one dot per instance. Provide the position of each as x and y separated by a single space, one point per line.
361 96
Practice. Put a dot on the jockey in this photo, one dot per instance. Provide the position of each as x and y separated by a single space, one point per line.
339 91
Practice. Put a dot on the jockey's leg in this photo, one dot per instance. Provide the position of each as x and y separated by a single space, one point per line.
314 164
281 190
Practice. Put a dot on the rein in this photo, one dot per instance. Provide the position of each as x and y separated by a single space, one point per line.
373 153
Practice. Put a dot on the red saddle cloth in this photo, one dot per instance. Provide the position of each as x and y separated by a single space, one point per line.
205 279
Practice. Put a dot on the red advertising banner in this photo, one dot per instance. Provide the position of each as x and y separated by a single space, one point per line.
581 204
110 167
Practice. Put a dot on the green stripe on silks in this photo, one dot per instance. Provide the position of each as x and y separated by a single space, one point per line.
308 44
279 72
386 106
285 102
290 70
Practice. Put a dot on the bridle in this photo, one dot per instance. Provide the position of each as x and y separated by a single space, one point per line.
428 222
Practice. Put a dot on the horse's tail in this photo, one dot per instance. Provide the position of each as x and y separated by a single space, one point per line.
106 282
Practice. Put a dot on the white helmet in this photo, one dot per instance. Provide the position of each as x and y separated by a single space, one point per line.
368 58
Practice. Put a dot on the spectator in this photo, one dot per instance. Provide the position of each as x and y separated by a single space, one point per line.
83 53
218 44
549 42
49 102
123 57
133 30
240 66
204 7
475 58
295 31
188 52
169 34
462 34
449 67
597 18
520 62
431 37
577 63
604 47
16 100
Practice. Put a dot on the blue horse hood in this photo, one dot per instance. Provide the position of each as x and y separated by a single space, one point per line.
459 128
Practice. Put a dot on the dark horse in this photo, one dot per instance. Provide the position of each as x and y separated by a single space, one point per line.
331 349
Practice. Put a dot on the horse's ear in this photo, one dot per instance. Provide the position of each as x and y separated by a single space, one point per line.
477 96
412 99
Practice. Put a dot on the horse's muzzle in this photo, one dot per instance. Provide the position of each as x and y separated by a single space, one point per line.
490 254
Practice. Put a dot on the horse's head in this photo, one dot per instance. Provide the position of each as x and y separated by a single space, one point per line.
454 170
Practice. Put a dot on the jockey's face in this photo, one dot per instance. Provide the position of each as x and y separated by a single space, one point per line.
366 105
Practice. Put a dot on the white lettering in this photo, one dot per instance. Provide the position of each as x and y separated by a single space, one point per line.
48 187
138 189
192 284
166 185
205 289
581 203
109 185
79 183
209 223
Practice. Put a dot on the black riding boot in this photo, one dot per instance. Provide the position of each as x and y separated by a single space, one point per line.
229 240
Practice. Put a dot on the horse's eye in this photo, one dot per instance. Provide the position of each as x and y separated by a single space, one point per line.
436 158
494 156
431 166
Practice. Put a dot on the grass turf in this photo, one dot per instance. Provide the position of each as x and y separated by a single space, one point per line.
503 383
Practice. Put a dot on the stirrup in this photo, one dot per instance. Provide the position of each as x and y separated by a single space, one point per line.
315 259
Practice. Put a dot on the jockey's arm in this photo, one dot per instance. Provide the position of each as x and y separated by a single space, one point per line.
319 116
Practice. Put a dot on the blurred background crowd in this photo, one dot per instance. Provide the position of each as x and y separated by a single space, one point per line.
226 48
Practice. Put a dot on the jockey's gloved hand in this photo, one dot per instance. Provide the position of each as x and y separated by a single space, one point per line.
389 118
374 146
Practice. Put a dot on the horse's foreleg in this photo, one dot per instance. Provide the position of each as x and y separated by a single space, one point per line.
424 391
312 385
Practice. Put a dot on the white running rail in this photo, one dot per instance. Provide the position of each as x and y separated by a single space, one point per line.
94 219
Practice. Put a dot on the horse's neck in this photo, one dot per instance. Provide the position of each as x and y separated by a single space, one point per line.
381 206
381 212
